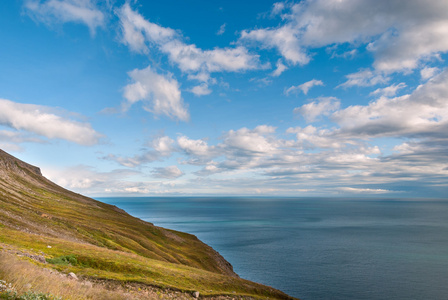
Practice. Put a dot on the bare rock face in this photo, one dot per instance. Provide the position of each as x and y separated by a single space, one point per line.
12 164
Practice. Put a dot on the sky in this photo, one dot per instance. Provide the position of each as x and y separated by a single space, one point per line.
327 98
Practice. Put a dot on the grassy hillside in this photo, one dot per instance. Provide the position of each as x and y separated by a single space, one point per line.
68 232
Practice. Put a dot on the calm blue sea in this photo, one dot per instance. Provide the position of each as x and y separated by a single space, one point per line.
318 248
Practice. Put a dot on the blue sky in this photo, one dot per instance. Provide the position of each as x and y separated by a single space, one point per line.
308 98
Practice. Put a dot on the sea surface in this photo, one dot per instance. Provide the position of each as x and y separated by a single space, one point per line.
318 248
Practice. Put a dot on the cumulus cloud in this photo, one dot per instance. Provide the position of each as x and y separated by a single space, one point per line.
280 68
388 91
311 137
364 77
322 106
422 113
140 34
322 158
284 39
399 35
194 147
160 147
84 179
253 141
201 90
304 87
428 72
160 94
170 172
44 121
62 11
313 160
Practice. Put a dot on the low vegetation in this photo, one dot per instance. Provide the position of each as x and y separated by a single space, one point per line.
54 228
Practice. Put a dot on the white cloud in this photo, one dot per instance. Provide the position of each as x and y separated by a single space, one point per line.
201 90
251 141
284 39
364 78
317 161
312 137
424 112
427 73
79 11
342 159
42 120
163 145
160 94
280 68
194 147
388 91
86 179
222 29
140 34
277 8
400 36
170 172
363 190
323 106
160 147
304 87
137 31
209 169
347 54
11 140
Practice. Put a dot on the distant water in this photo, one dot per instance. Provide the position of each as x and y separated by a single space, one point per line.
318 248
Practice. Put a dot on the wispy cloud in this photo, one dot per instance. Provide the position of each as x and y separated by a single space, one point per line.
170 172
159 148
222 29
62 11
365 77
45 121
388 91
280 68
321 106
141 34
201 90
304 87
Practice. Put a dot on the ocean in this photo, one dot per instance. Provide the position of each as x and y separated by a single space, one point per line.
318 248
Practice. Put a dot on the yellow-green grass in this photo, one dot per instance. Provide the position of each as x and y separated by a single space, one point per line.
107 242
25 277
103 263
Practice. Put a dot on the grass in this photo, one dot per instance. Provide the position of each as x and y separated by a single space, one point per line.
102 263
30 282
99 241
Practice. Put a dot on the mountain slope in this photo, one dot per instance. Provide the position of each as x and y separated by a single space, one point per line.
38 216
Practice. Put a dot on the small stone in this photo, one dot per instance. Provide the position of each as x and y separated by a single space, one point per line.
72 275
49 247
87 284
196 294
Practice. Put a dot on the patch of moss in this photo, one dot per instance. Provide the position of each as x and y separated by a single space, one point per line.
63 260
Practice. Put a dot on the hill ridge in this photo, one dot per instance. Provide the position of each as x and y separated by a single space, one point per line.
105 241
9 162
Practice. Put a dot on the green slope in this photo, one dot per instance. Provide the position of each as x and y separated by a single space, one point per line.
38 216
